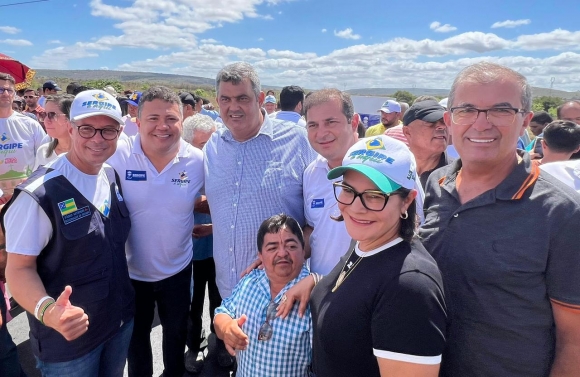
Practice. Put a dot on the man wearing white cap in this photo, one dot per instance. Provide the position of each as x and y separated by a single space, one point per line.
390 112
270 104
66 227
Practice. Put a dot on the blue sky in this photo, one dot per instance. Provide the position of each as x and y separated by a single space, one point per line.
313 43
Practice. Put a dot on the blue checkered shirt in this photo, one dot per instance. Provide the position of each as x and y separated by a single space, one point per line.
246 183
288 353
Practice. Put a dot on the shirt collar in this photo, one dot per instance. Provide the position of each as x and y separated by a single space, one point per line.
264 282
267 128
513 187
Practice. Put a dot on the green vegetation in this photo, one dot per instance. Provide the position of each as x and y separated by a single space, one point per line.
547 103
404 96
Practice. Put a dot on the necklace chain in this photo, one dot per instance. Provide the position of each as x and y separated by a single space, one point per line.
345 273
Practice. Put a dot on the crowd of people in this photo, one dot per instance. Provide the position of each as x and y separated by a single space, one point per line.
438 242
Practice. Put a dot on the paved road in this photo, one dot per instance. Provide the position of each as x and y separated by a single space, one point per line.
18 328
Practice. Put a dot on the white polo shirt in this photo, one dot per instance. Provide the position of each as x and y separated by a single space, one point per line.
161 208
329 241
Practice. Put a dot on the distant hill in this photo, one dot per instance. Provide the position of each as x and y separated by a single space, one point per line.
123 76
177 80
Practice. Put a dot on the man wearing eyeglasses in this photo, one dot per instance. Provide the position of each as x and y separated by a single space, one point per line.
505 236
427 136
264 344
66 227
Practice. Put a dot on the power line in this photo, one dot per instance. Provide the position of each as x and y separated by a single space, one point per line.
22 2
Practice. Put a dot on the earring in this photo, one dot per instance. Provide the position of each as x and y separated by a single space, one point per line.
405 216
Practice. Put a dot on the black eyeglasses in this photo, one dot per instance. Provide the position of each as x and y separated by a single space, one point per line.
498 116
266 331
10 91
88 132
372 200
50 115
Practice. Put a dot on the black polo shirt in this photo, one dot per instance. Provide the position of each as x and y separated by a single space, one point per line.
444 160
504 256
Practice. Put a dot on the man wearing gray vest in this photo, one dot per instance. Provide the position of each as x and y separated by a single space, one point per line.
66 228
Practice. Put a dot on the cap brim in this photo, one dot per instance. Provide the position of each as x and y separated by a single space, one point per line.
434 116
384 110
384 183
88 115
132 103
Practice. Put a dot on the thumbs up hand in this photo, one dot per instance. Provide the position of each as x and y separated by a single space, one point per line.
69 320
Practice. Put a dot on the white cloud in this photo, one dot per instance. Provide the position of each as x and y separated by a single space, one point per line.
260 39
510 23
104 68
437 27
167 32
16 42
275 54
555 40
9 30
346 34
55 42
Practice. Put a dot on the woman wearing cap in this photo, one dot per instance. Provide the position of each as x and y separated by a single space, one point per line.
381 310
56 121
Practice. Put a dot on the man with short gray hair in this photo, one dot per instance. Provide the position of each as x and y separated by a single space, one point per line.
504 235
253 170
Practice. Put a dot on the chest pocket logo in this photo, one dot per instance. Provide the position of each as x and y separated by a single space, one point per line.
317 203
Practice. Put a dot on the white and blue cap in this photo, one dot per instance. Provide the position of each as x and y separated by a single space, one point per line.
95 102
390 106
387 162
270 99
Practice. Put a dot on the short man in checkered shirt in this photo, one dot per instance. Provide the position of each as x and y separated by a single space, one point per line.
264 344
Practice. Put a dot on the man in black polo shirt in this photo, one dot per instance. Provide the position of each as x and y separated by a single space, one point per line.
427 136
504 235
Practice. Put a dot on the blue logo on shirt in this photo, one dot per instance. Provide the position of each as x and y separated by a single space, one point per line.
317 203
135 175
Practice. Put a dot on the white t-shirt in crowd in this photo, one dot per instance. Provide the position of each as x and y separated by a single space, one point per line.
329 239
568 172
20 137
161 208
28 228
41 158
130 127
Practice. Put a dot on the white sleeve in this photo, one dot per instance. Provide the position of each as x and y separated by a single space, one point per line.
28 228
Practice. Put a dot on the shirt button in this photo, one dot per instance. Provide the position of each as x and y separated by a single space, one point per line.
231 249
233 270
237 183
239 162
456 215
235 205
232 227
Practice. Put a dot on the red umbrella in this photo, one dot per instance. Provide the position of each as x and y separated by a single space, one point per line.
21 73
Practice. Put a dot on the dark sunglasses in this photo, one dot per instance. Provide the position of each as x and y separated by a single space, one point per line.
266 331
50 115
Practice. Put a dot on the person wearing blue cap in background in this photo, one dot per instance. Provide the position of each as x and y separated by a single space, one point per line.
48 88
130 119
